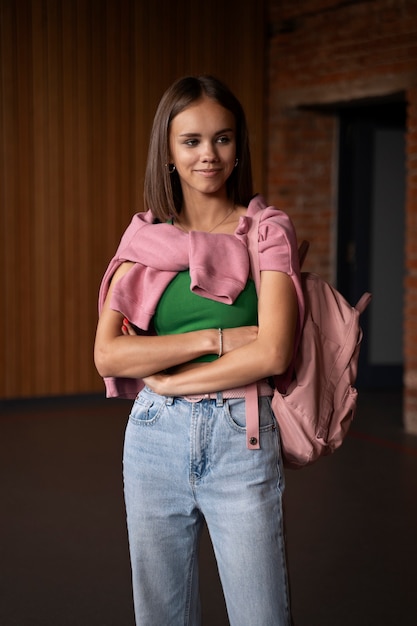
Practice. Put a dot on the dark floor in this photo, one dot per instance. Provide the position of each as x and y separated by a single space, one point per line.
351 521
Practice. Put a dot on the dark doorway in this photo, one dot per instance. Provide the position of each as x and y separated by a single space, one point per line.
371 232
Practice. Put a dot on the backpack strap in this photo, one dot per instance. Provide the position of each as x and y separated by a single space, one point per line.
363 302
253 249
251 395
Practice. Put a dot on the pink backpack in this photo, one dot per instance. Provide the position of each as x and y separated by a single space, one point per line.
318 407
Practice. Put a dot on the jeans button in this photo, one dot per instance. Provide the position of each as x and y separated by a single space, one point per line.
253 441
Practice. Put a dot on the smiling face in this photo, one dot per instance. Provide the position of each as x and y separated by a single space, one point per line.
202 143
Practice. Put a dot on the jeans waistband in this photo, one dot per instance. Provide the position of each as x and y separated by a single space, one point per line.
264 389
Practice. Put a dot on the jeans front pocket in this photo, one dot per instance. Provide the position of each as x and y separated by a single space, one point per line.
236 414
147 408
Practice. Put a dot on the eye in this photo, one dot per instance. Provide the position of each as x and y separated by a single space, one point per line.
191 142
223 139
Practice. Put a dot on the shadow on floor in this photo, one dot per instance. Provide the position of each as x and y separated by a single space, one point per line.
351 521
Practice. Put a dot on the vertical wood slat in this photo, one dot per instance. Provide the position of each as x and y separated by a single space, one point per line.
8 197
38 275
70 183
80 81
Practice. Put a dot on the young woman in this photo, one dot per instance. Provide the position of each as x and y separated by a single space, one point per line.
182 330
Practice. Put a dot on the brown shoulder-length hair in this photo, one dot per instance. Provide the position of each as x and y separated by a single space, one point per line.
162 189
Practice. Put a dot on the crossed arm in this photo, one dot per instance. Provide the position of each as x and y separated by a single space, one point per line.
249 353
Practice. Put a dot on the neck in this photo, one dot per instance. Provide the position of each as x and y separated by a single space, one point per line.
205 217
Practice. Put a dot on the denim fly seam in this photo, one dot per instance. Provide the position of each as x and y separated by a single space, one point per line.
201 433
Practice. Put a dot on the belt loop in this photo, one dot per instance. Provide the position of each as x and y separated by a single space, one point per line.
169 400
219 399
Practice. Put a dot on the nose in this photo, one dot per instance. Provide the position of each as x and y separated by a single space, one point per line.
208 154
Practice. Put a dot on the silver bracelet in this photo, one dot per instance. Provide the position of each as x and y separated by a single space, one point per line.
220 342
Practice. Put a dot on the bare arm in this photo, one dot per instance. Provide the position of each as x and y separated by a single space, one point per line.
136 356
268 354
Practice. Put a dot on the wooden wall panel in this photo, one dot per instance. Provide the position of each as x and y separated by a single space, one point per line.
79 84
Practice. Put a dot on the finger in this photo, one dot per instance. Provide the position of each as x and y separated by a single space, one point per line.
127 328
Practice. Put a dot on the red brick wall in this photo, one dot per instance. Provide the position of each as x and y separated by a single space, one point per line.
300 180
324 52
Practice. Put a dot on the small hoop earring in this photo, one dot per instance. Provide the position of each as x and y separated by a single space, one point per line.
236 162
171 167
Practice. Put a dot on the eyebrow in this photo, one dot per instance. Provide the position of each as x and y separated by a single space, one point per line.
218 132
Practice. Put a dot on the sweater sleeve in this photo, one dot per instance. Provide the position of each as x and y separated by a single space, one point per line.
277 243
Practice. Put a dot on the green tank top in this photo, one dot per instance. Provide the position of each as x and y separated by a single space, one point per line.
180 310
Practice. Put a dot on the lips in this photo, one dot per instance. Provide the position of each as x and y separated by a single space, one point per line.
210 172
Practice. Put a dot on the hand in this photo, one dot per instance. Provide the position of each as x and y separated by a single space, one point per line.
160 383
237 337
127 328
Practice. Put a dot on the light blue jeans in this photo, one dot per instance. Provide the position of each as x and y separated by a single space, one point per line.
186 462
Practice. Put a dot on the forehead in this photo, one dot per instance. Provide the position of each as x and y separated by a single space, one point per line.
205 114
